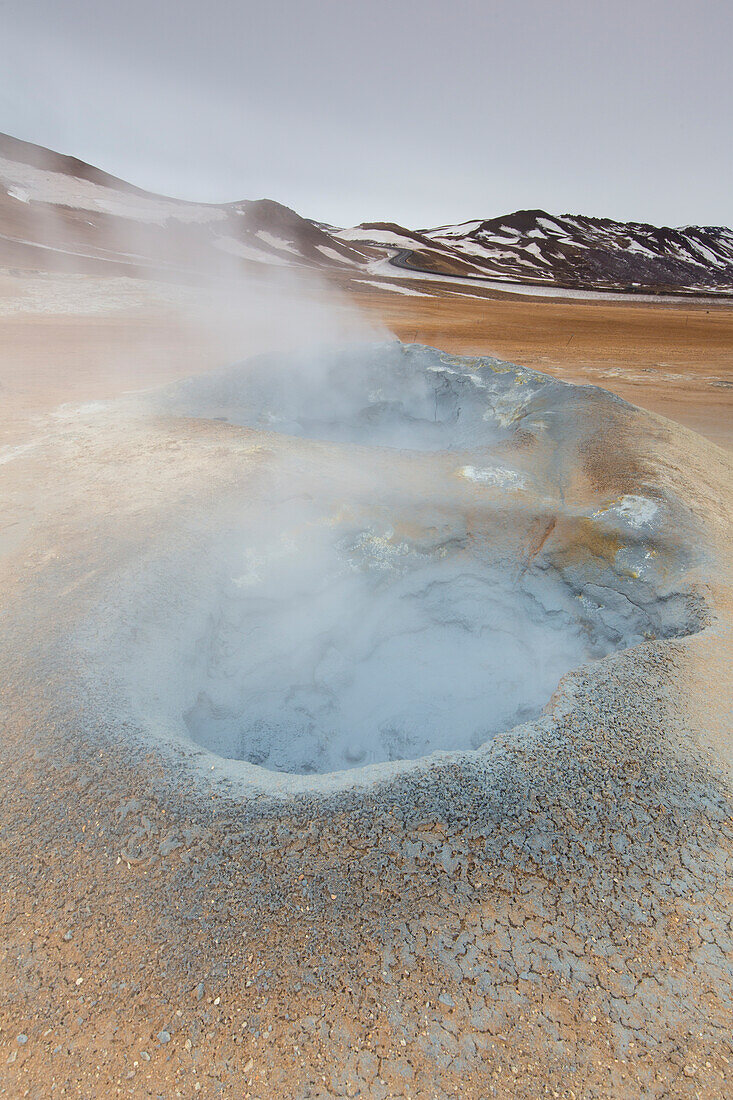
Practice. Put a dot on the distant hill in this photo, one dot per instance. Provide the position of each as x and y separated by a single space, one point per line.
59 213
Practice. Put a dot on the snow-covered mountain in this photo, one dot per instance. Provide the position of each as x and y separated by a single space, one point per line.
60 213
532 246
57 212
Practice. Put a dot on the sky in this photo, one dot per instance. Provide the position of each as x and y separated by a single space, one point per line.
424 113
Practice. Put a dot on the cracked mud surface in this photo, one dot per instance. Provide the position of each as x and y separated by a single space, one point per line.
549 916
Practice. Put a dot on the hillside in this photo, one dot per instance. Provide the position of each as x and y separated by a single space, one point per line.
58 213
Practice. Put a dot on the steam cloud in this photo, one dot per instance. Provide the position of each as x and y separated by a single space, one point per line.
370 597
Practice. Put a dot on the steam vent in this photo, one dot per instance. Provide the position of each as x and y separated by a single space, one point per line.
376 701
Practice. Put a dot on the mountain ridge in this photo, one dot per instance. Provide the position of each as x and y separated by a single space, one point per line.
59 212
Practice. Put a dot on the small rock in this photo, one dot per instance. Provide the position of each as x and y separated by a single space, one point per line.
690 1071
12 1056
446 1000
22 1039
68 935
248 1065
144 1055
200 990
164 1037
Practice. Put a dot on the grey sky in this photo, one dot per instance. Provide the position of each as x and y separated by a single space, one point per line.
420 112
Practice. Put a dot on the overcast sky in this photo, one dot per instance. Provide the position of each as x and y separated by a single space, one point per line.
419 112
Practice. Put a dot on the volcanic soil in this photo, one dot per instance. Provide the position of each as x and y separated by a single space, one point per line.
553 919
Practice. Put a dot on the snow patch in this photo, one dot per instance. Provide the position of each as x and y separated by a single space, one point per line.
248 252
395 288
19 194
60 190
275 242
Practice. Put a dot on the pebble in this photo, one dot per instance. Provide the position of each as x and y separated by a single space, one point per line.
21 1038
689 1071
200 991
68 935
164 1037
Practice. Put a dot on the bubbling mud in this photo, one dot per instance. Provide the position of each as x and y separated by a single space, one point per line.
327 653
394 581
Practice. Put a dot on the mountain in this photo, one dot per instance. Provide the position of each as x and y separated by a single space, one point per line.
577 251
60 213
